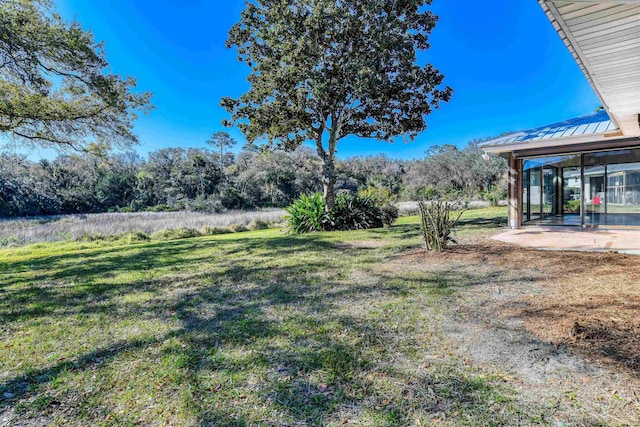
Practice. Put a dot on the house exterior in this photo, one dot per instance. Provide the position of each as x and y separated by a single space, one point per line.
584 172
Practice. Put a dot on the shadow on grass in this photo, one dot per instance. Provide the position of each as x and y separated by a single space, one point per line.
484 223
263 328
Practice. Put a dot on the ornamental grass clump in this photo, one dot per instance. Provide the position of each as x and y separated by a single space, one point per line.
438 223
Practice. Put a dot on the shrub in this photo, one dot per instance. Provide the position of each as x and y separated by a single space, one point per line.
160 208
257 224
238 228
174 234
437 224
495 196
383 198
210 231
9 241
572 206
307 214
430 192
380 196
90 237
356 213
134 237
390 214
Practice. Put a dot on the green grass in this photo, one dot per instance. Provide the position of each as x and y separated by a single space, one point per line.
254 328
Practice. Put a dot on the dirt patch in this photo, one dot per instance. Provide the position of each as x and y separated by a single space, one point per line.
566 325
589 302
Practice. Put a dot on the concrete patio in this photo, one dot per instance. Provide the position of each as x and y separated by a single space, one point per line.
572 239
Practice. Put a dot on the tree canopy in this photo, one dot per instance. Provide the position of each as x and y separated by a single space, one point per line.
56 89
220 141
322 70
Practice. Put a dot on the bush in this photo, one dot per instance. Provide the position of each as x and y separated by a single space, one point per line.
390 214
211 231
572 206
160 208
356 213
437 224
134 237
9 241
307 214
238 228
257 224
380 196
90 237
495 196
430 193
174 234
383 198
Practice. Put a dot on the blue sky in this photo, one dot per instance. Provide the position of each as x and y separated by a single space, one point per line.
507 66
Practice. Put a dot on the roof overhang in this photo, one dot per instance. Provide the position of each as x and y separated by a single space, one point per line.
551 143
604 38
576 148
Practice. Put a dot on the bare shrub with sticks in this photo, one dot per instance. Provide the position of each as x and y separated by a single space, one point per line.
438 223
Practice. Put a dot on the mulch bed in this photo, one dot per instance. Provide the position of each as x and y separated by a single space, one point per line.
590 302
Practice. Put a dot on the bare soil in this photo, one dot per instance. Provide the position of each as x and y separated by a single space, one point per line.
566 325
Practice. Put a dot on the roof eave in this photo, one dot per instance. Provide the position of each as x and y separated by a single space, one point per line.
552 142
560 26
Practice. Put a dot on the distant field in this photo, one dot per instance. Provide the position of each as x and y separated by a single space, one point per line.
22 231
71 227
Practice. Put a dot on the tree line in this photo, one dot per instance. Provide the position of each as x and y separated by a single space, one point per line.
319 72
214 180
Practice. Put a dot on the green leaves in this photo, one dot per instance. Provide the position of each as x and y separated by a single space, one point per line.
351 62
324 69
55 86
308 214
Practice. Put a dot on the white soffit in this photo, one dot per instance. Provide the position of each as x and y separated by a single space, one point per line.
604 38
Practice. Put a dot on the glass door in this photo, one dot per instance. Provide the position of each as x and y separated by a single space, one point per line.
595 202
571 191
535 193
549 191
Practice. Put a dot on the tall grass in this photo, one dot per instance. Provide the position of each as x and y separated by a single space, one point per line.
70 227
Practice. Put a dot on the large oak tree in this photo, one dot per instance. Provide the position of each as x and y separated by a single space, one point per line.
56 89
322 70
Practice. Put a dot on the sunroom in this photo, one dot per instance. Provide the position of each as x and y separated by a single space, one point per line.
584 172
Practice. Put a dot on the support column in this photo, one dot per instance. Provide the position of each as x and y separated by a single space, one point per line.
520 191
514 198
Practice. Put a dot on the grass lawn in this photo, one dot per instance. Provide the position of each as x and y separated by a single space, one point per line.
254 328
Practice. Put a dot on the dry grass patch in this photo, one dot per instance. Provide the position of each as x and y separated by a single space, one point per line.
563 325
589 302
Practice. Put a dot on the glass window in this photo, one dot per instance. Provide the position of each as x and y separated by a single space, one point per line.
550 191
594 195
602 158
535 193
571 190
623 188
608 185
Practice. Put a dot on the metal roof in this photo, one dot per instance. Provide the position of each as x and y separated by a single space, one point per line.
596 123
604 38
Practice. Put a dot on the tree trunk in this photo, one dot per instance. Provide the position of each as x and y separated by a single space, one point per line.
221 161
329 182
328 165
